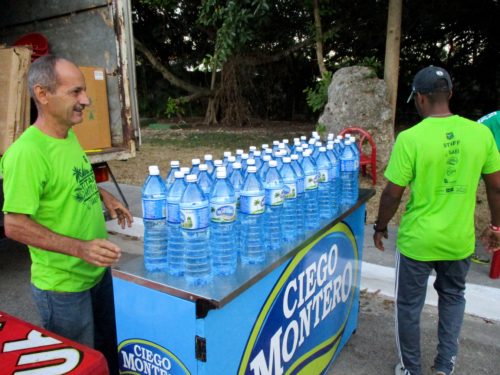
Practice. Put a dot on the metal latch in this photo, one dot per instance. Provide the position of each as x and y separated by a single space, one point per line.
201 348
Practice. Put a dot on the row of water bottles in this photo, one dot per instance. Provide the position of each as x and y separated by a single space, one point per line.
203 219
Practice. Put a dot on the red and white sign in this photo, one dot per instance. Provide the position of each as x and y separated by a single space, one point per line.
26 349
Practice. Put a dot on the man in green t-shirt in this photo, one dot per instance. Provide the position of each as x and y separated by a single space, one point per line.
440 159
492 121
53 204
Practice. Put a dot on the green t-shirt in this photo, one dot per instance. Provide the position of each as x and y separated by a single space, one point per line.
51 180
441 159
492 121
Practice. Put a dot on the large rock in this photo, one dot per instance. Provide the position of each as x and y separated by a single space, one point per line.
356 97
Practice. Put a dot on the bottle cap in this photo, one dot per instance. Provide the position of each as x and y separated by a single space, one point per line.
269 151
252 169
296 142
208 157
239 151
329 146
330 137
287 159
347 135
154 170
244 156
285 141
203 167
179 174
191 178
294 157
227 154
195 161
174 163
265 145
318 144
339 137
273 163
231 159
322 149
299 149
236 165
221 172
185 170
307 152
347 142
252 148
266 157
303 137
250 162
218 162
257 153
276 143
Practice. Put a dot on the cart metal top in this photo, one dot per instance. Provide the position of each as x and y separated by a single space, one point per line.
223 288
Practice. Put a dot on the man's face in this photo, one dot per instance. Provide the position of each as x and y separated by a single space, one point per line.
66 104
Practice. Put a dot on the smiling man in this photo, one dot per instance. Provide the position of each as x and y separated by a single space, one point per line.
53 205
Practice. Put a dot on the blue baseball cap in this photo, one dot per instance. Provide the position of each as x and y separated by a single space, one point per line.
427 79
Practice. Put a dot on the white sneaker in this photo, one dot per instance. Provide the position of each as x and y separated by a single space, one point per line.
400 370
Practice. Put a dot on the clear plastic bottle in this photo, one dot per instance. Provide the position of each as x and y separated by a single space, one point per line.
324 188
195 166
311 192
204 180
154 213
265 166
301 203
210 163
249 163
169 179
194 227
175 247
289 216
227 154
229 166
273 185
217 163
251 151
335 184
239 152
257 155
223 236
252 196
349 169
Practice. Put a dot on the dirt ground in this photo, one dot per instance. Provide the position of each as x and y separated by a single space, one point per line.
152 152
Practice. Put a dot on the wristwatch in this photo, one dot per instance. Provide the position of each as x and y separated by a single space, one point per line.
379 230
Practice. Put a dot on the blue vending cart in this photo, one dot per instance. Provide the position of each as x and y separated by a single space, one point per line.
290 315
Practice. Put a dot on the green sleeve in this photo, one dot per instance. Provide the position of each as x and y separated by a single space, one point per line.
492 163
400 168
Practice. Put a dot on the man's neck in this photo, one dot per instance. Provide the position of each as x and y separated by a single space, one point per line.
50 127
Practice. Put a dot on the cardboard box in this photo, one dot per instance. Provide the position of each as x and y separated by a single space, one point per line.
94 132
15 100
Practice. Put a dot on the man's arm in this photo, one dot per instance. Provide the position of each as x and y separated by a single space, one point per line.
22 228
490 236
116 208
389 203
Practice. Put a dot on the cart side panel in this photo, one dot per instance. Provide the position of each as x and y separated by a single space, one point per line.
156 331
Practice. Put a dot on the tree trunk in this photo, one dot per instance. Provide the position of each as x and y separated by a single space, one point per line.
319 38
392 48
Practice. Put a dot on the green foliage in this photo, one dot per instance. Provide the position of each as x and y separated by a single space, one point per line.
174 108
321 129
317 96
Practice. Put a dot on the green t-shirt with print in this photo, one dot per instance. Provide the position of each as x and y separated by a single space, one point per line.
441 159
492 121
51 180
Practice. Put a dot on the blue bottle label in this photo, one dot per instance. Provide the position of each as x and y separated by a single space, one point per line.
194 217
323 175
173 213
300 185
223 212
252 204
290 190
311 182
274 197
154 208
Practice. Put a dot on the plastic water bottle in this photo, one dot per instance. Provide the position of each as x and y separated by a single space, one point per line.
204 180
195 166
210 163
249 163
299 151
252 219
324 165
217 163
227 154
243 161
185 170
289 216
236 179
301 203
265 166
349 167
239 152
257 155
154 213
223 236
335 184
251 151
273 185
287 147
175 247
169 179
194 227
311 192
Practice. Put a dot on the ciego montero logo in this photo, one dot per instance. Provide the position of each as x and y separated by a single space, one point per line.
303 319
141 357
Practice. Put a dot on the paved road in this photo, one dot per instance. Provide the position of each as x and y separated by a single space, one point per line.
370 351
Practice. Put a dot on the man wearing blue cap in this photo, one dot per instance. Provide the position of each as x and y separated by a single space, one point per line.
441 158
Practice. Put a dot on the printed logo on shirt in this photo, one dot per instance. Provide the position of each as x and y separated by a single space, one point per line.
86 191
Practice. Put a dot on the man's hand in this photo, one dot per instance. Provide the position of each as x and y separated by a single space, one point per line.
490 239
377 239
116 209
99 252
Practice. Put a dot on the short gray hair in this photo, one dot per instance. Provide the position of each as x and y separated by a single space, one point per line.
43 73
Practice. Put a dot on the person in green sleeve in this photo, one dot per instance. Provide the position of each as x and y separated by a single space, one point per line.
441 159
53 204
